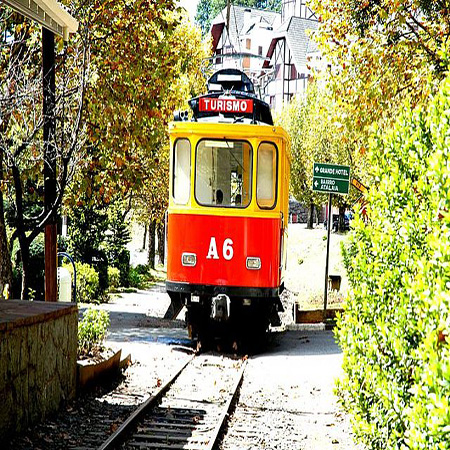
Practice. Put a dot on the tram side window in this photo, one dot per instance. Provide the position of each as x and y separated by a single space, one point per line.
182 171
266 176
223 173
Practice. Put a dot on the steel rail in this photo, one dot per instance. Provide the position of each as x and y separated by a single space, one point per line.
226 409
120 434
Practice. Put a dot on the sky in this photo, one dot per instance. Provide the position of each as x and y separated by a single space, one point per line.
190 5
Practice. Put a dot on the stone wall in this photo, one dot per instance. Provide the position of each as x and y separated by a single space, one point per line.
298 213
37 361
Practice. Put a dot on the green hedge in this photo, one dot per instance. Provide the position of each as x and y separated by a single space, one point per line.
87 282
395 329
114 277
92 330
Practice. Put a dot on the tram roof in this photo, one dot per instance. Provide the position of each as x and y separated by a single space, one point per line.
228 130
230 98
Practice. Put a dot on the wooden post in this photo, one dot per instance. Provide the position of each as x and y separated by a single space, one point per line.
48 66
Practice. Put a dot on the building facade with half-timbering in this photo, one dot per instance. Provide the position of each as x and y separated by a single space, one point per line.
276 50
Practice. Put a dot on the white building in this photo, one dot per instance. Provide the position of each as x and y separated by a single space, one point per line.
275 50
244 43
290 57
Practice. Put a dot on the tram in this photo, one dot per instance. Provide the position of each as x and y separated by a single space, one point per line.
228 210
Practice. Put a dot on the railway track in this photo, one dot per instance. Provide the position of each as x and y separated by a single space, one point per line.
188 412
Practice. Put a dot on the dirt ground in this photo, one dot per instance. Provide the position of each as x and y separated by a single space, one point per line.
286 400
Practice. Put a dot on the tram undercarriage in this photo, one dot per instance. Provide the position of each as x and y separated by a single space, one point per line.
243 317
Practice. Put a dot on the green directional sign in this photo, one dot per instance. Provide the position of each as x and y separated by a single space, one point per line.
331 178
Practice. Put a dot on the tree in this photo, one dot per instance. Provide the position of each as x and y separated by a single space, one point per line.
147 60
143 54
151 203
21 140
381 53
207 10
316 138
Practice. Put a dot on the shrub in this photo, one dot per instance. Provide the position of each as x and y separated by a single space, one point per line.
135 278
123 265
396 326
114 277
92 330
142 269
87 282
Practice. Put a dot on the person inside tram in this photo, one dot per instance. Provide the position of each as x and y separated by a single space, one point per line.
237 200
219 197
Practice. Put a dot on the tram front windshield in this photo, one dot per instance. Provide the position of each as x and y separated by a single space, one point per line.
223 173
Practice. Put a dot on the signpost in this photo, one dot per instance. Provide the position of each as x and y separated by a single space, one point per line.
331 179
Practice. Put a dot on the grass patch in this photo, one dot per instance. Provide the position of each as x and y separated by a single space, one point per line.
157 274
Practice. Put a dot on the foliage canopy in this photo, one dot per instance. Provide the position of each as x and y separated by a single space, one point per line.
382 52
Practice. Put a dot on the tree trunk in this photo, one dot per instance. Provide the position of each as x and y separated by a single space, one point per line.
5 256
310 224
151 244
25 257
161 243
144 240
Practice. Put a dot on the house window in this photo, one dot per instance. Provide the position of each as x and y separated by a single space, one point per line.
260 50
218 57
248 44
294 73
278 71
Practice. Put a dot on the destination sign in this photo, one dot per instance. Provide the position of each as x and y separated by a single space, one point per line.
331 178
226 105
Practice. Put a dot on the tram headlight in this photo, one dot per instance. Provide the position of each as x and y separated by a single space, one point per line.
189 259
253 263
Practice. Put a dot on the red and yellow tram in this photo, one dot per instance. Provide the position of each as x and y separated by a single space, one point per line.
228 210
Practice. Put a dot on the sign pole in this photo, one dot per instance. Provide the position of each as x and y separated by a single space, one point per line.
330 179
329 224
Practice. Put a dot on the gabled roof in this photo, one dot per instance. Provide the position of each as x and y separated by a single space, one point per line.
296 32
237 14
